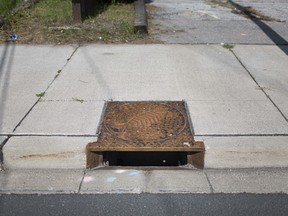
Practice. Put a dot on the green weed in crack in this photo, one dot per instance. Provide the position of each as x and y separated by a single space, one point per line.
40 94
79 100
58 73
228 46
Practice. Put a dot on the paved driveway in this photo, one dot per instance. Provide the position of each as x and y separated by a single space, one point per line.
214 21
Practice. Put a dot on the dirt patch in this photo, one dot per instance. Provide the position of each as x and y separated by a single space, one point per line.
152 28
54 155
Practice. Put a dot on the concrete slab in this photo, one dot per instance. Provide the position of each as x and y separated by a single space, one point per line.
35 181
177 181
173 72
249 181
19 82
101 72
113 181
63 117
236 117
30 152
268 65
245 152
209 72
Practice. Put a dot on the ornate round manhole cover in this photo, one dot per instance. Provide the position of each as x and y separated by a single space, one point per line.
143 121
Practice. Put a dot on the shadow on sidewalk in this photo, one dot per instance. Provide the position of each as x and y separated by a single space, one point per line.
273 35
6 61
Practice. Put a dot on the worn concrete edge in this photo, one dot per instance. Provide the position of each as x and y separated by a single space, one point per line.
36 192
127 193
144 190
140 19
213 159
115 192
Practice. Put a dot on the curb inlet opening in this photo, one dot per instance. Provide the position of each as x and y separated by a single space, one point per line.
145 158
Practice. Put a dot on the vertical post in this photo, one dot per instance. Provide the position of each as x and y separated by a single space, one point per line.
81 9
140 21
77 10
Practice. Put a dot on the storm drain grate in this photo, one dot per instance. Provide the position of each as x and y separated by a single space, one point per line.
145 134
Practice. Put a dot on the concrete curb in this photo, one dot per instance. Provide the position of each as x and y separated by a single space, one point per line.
140 21
139 181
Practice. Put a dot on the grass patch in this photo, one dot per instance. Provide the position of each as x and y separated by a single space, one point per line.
263 88
58 73
50 21
40 94
6 6
228 46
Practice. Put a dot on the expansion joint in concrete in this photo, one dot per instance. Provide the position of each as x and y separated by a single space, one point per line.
210 185
264 92
82 179
43 93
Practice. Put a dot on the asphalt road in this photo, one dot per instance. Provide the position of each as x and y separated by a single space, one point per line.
145 204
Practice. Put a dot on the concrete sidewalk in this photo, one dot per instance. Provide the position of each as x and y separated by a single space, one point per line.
52 99
237 99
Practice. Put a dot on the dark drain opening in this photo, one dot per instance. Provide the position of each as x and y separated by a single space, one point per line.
145 158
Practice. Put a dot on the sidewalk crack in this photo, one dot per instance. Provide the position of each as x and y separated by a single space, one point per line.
82 179
210 185
20 122
259 86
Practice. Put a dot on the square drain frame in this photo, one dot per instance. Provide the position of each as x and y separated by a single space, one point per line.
146 126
